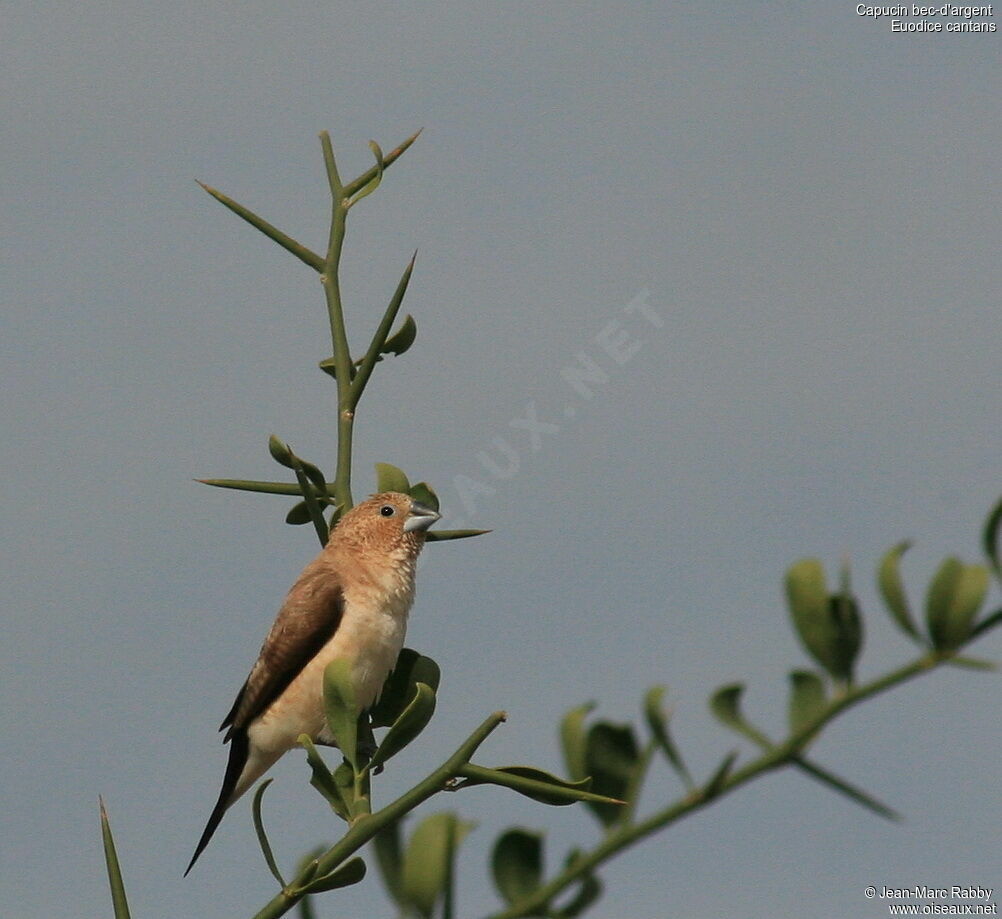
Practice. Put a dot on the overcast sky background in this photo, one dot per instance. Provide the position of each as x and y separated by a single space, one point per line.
809 203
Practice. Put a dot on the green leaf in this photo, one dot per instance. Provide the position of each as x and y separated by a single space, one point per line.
411 722
893 591
829 627
341 708
517 864
429 859
939 598
807 698
299 514
401 340
612 758
397 343
991 538
390 859
725 704
955 595
280 452
574 741
970 595
444 535
262 836
374 182
848 627
119 902
807 597
351 872
313 506
657 721
353 186
322 779
316 477
719 777
312 487
423 493
390 478
536 784
398 690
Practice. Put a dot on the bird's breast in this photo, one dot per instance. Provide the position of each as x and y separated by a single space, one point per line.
371 635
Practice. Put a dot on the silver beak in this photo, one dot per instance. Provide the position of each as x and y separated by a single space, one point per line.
420 518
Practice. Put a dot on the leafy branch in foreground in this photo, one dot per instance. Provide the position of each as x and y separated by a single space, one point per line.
829 625
405 708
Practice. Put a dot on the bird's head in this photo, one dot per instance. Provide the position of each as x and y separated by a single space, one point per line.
387 521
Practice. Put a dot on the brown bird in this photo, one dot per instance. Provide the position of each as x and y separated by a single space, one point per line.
350 602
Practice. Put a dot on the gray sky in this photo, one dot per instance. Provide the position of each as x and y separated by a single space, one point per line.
809 204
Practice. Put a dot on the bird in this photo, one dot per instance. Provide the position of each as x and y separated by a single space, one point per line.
350 602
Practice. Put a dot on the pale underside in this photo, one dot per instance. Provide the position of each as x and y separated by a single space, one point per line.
371 634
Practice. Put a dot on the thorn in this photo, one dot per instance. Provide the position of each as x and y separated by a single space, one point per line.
393 154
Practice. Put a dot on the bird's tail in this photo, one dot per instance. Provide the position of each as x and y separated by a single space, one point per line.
237 780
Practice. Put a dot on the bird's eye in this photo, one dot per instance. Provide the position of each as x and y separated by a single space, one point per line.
387 510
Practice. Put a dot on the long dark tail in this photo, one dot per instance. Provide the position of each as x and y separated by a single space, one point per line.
239 751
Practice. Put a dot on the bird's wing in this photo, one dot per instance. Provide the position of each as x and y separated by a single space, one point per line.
308 619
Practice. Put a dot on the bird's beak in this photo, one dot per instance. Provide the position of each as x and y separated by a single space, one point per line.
420 518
